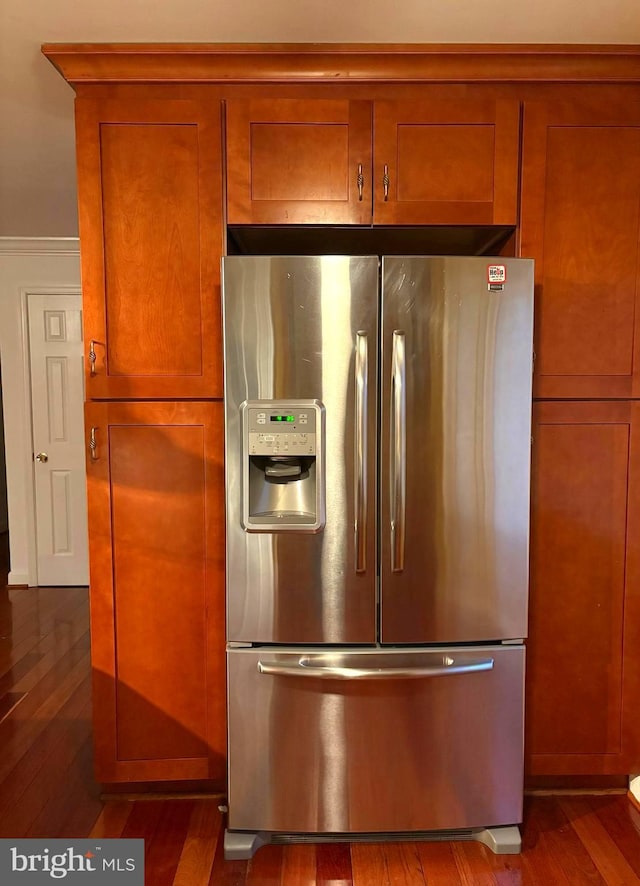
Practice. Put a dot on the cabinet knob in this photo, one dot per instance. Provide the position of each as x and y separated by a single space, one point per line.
42 457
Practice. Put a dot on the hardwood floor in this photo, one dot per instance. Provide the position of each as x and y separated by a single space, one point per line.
47 790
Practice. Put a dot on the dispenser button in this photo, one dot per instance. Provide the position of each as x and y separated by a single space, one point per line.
261 421
262 415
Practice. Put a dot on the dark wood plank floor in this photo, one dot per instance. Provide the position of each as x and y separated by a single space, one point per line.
47 790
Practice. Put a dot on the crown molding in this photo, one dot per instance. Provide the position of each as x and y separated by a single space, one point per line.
346 63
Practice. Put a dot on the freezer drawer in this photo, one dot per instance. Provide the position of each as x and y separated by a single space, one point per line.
344 740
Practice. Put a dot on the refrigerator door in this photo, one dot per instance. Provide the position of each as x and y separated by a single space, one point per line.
361 740
455 448
302 329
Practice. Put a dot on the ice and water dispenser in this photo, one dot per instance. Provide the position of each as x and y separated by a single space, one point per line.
283 473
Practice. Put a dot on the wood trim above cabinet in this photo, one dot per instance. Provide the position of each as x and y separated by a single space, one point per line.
343 62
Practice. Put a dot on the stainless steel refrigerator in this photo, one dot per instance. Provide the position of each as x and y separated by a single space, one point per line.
377 505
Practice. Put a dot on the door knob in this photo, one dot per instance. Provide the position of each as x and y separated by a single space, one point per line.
42 457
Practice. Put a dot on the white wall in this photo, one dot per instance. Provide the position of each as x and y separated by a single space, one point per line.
37 187
25 265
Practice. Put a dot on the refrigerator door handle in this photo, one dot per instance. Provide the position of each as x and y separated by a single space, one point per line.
306 666
362 374
398 447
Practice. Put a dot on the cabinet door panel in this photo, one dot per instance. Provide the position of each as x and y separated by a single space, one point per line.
150 214
157 590
291 161
581 223
582 679
447 162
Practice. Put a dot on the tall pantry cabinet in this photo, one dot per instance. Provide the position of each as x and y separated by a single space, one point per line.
150 196
540 145
580 220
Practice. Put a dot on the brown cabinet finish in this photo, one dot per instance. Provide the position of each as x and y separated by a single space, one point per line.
581 224
292 161
300 121
150 197
583 678
447 163
155 489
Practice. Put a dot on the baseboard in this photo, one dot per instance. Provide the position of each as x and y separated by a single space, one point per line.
552 784
197 787
4 557
18 580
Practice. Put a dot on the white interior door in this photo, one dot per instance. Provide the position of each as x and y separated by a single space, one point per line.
57 397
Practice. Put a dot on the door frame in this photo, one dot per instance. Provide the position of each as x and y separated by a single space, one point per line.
39 265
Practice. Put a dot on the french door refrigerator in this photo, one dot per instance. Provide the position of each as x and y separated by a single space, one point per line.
377 508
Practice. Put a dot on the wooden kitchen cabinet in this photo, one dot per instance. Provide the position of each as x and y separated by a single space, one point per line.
581 224
156 531
422 162
294 161
448 163
150 200
150 175
583 668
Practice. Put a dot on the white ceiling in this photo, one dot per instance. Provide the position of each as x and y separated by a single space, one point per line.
37 175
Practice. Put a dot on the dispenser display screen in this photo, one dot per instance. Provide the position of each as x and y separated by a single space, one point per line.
283 418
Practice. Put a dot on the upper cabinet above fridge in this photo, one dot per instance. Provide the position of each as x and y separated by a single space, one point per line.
327 162
293 161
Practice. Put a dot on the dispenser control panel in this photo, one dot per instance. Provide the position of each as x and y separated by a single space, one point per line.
281 429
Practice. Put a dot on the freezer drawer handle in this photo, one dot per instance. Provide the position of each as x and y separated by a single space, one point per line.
360 527
305 667
398 430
